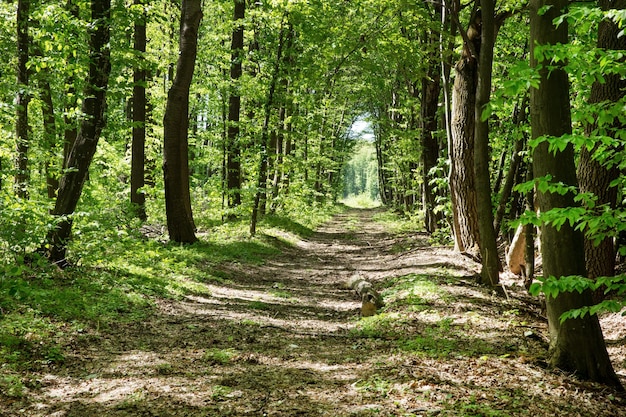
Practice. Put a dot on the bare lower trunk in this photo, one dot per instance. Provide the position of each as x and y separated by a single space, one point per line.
180 224
84 147
576 345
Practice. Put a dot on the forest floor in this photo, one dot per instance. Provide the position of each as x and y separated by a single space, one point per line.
285 338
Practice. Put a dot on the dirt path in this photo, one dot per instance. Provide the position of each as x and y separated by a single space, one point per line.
285 339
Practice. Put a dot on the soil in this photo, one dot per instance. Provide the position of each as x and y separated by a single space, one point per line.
286 339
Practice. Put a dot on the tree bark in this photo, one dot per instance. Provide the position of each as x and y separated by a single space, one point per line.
180 224
233 149
462 184
576 345
84 147
22 99
488 247
431 87
594 176
137 170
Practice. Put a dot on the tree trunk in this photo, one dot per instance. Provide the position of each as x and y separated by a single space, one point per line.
592 175
431 88
84 147
519 116
576 345
180 224
49 136
233 149
137 170
488 247
22 100
261 189
462 184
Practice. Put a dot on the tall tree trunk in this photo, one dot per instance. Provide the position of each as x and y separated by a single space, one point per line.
519 116
431 87
261 189
233 149
137 170
490 273
462 184
576 345
49 136
593 176
84 147
22 99
180 224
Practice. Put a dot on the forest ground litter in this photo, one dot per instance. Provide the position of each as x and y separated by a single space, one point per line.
284 338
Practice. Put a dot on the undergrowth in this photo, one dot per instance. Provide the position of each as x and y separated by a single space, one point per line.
117 275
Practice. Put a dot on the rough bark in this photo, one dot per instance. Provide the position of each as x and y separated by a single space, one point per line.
137 169
180 222
462 184
233 150
593 176
22 100
488 248
576 345
92 123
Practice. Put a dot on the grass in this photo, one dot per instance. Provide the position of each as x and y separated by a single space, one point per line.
117 277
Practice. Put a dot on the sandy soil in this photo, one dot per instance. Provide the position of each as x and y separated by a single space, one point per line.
285 339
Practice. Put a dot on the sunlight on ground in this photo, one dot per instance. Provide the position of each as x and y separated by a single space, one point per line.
361 201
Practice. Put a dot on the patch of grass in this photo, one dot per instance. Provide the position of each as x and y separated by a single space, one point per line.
362 201
378 326
398 223
217 356
414 290
11 385
258 305
375 384
219 392
281 294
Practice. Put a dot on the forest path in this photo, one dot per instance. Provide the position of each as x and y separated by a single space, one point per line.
285 339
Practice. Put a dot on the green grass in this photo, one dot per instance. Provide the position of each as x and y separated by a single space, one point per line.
118 275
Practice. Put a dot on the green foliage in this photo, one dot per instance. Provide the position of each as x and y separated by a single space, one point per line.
552 287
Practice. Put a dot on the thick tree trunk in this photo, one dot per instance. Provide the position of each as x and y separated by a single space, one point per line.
592 175
22 100
488 247
233 149
180 224
137 169
462 184
576 345
84 147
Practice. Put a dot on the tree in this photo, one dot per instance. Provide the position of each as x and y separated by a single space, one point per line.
22 99
137 170
462 178
180 224
576 345
233 151
91 125
487 243
593 175
431 87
